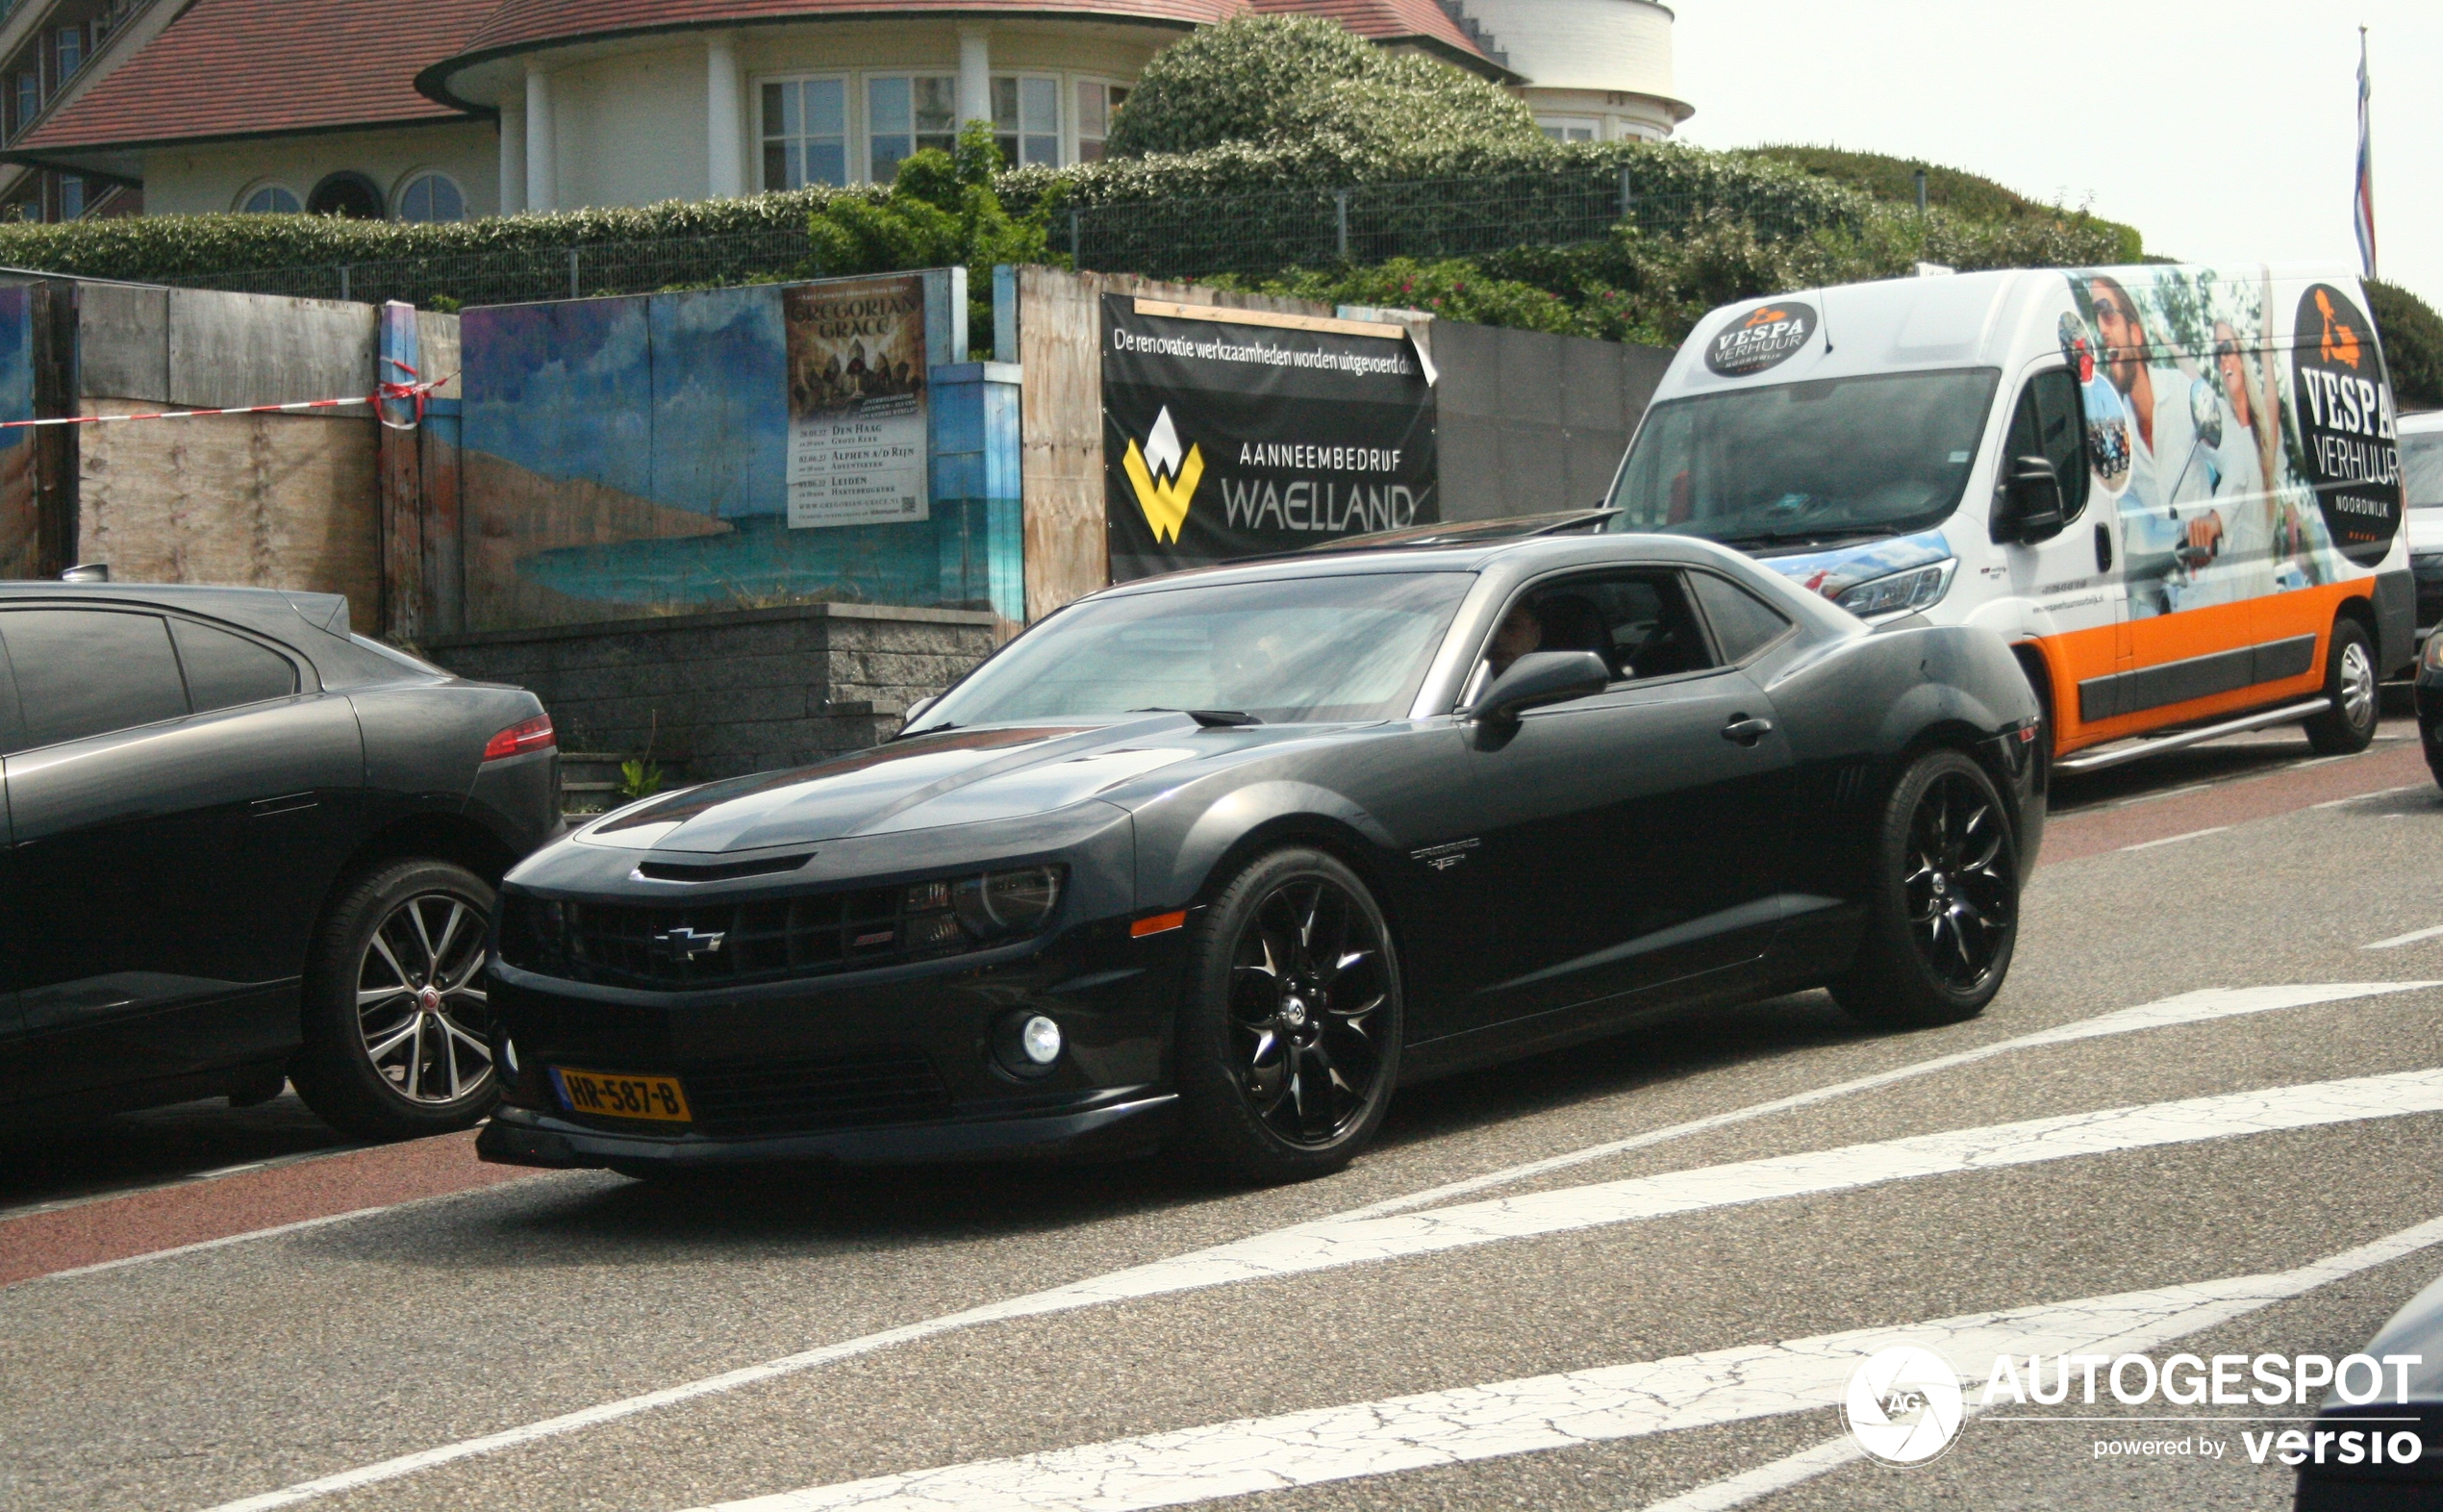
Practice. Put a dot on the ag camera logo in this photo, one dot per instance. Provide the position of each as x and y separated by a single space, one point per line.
1904 1406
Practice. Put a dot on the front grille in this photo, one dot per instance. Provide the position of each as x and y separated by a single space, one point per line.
713 944
884 1084
2428 571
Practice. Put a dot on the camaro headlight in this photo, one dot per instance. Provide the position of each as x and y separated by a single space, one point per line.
1901 592
1003 903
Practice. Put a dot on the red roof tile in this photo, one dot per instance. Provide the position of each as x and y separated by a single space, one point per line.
1385 20
247 68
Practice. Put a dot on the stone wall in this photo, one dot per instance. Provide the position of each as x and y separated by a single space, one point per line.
747 691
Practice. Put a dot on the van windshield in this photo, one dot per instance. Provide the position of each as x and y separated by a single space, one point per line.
1835 459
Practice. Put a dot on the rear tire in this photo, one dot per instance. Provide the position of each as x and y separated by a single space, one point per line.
2347 726
1943 902
1289 1040
396 1024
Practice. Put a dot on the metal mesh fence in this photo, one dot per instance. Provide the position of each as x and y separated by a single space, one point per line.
512 275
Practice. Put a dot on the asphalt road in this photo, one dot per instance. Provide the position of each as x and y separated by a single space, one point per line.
1637 1274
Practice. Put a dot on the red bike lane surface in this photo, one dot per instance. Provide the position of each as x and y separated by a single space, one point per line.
245 1202
2285 789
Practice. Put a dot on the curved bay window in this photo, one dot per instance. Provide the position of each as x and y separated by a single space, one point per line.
906 113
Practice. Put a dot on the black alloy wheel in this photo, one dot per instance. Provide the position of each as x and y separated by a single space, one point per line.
1289 1043
396 1020
1943 902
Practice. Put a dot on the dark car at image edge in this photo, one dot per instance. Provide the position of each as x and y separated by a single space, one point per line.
1222 858
248 846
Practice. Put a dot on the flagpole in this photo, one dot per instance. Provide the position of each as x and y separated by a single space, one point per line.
2362 209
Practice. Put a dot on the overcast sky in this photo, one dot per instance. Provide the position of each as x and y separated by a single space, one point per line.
2222 132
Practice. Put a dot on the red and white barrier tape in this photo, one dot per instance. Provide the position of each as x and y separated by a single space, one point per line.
416 391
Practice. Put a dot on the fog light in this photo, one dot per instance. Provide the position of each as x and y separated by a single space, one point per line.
1040 1039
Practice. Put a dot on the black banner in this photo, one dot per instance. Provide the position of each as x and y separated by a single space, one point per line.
1222 440
2344 418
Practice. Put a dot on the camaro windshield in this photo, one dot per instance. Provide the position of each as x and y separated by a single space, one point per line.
1308 649
1875 455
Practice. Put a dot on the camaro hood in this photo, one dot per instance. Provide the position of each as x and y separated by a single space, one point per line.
957 777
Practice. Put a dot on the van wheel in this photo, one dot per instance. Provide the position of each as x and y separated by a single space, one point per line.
1943 901
2347 726
1289 1039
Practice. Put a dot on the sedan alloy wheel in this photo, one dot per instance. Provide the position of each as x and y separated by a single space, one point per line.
1960 894
419 1010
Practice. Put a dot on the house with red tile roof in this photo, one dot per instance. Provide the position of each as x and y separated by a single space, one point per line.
448 109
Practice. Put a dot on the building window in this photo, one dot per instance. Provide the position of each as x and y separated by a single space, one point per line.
430 196
1564 129
270 199
906 114
1026 120
71 197
70 41
1098 106
29 97
805 133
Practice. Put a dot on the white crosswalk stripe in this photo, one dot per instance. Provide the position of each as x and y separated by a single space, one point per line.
1556 1412
1351 1237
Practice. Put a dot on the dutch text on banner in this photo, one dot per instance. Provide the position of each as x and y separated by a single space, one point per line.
1223 440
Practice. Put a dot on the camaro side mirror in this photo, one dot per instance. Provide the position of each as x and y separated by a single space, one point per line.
1539 679
2031 502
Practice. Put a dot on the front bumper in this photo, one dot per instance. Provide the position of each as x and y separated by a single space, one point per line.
1109 1123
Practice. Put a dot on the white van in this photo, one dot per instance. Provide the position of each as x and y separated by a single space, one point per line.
2176 489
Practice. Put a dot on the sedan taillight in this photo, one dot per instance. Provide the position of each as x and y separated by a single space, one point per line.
518 739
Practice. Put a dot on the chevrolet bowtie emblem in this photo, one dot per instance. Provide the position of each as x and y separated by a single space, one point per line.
686 943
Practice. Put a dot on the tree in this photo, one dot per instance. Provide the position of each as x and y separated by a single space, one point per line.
1282 80
2412 337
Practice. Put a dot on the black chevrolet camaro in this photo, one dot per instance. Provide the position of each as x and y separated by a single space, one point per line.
1222 858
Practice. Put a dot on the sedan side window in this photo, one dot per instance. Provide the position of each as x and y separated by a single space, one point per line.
224 670
1743 623
88 672
1639 621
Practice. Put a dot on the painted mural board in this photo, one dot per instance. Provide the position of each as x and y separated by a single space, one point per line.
856 401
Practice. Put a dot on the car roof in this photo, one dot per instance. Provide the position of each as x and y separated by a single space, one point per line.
278 613
1459 532
1528 554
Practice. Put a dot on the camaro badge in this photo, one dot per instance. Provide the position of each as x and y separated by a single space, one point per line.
1441 857
1165 482
686 943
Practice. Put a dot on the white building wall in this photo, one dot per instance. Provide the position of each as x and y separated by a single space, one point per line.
202 180
631 127
1604 61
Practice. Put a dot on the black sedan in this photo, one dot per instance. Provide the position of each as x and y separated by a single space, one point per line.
1226 856
2430 702
2376 1446
247 846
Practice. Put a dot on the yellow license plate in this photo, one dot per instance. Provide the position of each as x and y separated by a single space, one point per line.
607 1096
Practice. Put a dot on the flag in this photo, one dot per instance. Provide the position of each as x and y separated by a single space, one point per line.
2364 205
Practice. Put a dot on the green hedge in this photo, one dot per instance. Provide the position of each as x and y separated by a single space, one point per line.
1893 180
2412 336
171 248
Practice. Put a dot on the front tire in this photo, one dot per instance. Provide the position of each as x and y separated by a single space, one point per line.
2347 726
1289 1040
395 1016
1943 915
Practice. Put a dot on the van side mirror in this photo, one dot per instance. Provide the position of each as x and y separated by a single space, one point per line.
2029 506
1539 679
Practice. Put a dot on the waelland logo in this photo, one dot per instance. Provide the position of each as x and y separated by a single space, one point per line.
1166 483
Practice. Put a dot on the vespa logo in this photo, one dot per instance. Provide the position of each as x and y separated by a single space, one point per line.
686 943
1164 481
1903 1406
1768 337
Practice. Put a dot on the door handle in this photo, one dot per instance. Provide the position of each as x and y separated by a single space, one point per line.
1745 731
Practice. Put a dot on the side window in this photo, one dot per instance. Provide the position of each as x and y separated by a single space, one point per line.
88 672
1638 621
1743 623
2051 423
224 670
